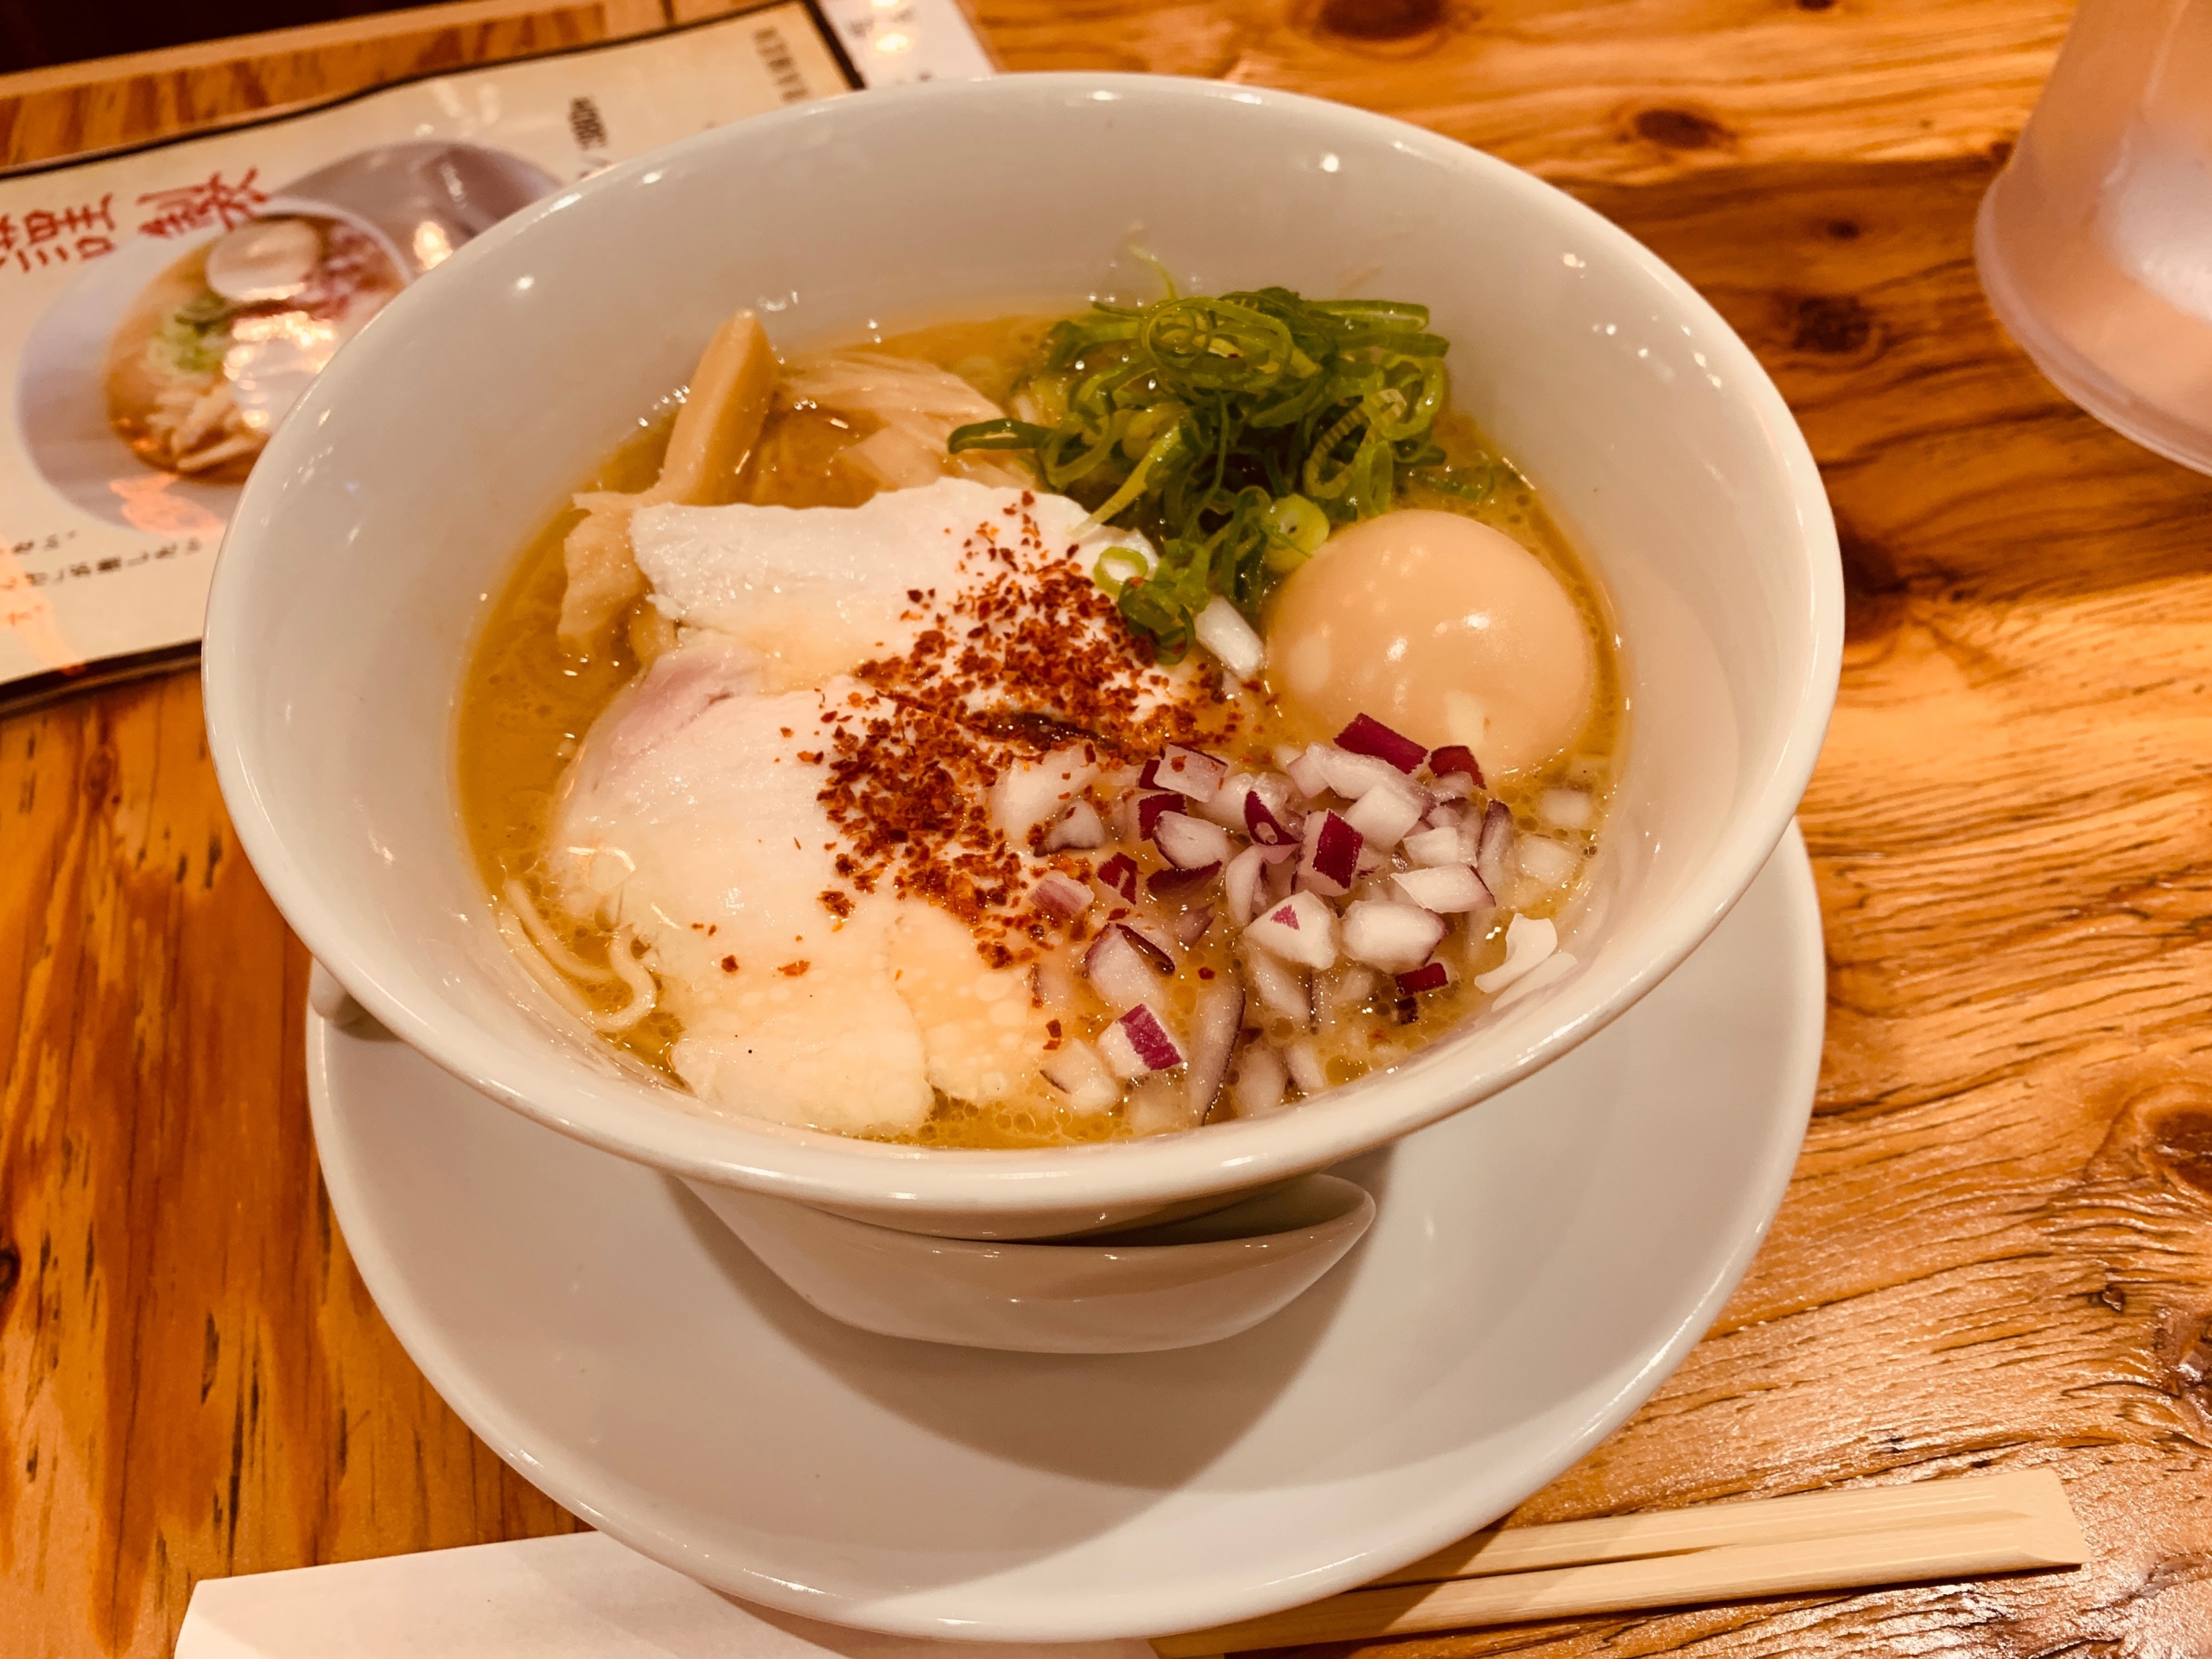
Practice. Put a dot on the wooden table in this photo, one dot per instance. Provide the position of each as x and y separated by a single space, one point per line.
1998 1248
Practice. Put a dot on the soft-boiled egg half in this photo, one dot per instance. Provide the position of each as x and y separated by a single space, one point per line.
1443 628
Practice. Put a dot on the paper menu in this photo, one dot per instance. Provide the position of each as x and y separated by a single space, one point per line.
561 1598
116 478
891 41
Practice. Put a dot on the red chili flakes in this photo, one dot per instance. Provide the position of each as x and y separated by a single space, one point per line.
793 970
1029 658
812 757
729 964
1206 973
835 902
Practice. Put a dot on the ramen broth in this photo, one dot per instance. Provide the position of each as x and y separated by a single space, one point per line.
528 702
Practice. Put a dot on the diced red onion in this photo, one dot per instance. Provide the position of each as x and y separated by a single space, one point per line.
1303 771
1494 848
1281 988
1446 815
1566 808
1189 772
1263 824
1075 1069
1226 805
1305 1063
1332 861
1352 775
1216 1018
1261 1080
1448 889
1118 875
1080 830
1300 929
1139 1042
1239 884
1280 795
1455 759
1222 629
1149 945
1368 735
1429 976
1122 817
1397 938
1120 966
1282 872
1025 795
1549 862
1440 846
1385 813
1168 884
1149 808
1191 926
1061 896
1187 842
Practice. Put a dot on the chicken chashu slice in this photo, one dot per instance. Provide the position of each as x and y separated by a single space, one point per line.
914 407
690 817
817 591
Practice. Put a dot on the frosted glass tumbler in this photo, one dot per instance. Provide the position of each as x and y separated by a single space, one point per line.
2096 242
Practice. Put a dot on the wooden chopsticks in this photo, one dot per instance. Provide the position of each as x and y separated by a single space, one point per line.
1762 1546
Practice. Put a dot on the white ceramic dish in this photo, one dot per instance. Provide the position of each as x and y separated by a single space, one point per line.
1536 1268
396 498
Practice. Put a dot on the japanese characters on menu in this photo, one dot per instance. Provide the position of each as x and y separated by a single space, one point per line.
162 309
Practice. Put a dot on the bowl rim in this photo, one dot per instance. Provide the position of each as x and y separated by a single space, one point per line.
818 1166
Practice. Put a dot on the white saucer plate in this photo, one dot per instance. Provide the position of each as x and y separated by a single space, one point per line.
1539 1264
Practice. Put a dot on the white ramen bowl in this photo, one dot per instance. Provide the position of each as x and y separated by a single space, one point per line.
395 501
1198 1280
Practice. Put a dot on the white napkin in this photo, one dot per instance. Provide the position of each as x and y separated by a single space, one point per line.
580 1595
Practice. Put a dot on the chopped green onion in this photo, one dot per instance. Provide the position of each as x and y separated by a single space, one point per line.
1119 566
1235 430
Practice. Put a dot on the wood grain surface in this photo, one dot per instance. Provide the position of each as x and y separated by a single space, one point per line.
1997 1252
